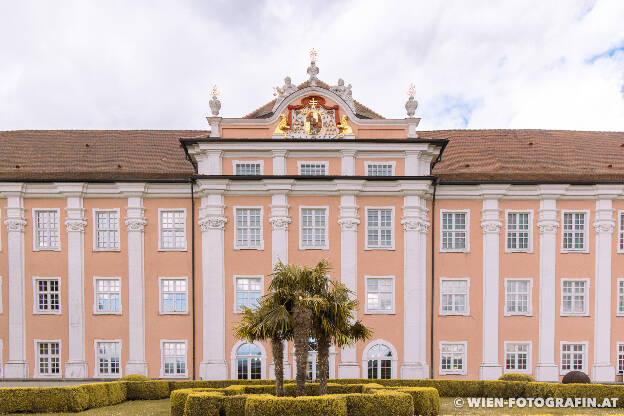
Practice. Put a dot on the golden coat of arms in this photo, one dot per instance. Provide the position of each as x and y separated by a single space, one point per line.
313 119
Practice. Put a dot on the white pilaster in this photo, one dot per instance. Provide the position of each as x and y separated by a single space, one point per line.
212 223
490 368
279 162
347 165
15 222
546 369
415 228
348 220
603 370
135 224
209 162
75 222
279 220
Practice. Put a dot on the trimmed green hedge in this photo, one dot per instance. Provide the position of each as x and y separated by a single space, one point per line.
516 377
178 399
265 405
426 400
134 377
148 390
203 404
380 403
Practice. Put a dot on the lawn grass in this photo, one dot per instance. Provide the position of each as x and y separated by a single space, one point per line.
447 407
129 408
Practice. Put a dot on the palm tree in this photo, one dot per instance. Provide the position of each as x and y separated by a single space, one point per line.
298 289
268 321
332 323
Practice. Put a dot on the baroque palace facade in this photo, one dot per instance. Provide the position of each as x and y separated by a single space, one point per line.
472 252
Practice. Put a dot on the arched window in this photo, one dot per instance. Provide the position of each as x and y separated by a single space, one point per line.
379 359
249 362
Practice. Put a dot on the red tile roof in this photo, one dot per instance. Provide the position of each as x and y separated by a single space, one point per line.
471 155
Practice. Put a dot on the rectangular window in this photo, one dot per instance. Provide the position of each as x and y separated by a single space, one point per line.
454 296
453 358
173 359
620 297
47 295
517 357
172 229
106 230
379 233
379 294
621 233
620 358
574 296
518 296
173 295
248 292
248 168
46 229
312 168
48 358
454 231
108 358
574 231
379 168
519 231
314 228
107 295
573 357
248 228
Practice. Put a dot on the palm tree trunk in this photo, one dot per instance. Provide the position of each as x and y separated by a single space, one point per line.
323 364
302 317
277 347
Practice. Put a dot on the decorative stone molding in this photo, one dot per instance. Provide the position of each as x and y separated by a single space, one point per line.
604 226
75 225
348 223
279 222
212 223
15 224
491 226
548 226
415 224
136 223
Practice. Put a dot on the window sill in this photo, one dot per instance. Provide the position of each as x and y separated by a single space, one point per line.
250 248
172 313
518 314
511 251
452 373
527 372
313 248
108 313
454 314
175 377
579 315
564 372
454 251
380 313
106 250
47 313
380 249
172 249
47 249
51 376
574 251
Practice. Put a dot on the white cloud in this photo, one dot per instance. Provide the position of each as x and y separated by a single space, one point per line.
150 64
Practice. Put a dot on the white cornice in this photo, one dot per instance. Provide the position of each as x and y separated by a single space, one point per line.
535 192
323 93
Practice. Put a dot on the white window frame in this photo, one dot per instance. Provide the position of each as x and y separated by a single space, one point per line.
368 311
38 374
620 300
301 246
392 228
95 298
529 369
620 234
586 297
441 312
464 369
160 230
369 163
561 344
96 365
618 346
162 358
313 162
95 229
234 361
36 246
466 249
393 361
238 162
585 248
161 310
35 287
529 248
241 276
236 245
529 311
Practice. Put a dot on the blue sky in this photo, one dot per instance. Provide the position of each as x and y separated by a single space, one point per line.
151 63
